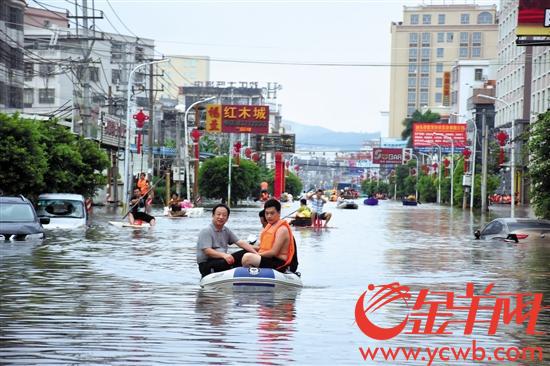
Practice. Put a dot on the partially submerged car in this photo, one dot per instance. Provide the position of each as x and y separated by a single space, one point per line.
19 221
516 230
65 210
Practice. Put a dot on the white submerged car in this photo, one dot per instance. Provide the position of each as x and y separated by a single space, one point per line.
65 210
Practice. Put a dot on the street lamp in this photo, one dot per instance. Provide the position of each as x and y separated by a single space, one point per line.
439 174
452 164
474 148
512 157
126 186
186 144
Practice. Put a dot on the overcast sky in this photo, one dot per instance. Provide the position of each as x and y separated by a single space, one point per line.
340 98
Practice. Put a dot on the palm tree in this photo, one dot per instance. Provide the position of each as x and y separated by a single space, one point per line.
417 116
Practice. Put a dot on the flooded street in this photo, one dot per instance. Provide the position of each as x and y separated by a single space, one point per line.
122 296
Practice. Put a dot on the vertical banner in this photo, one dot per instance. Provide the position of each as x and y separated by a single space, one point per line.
213 118
446 88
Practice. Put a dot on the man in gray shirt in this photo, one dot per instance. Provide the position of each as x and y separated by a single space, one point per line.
213 243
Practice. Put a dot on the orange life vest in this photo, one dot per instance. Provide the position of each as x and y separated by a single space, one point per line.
143 186
267 239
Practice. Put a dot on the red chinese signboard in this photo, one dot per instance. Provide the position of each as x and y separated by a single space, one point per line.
533 18
245 118
428 135
230 118
383 155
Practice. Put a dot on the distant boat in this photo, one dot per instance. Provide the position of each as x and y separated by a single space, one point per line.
371 201
409 203
347 204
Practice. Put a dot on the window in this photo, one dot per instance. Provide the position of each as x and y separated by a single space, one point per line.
425 68
484 18
450 36
413 54
440 37
438 98
439 67
15 18
441 19
413 39
438 82
476 39
414 18
94 74
463 52
426 38
46 69
478 74
28 71
440 52
411 97
412 68
425 54
463 38
115 76
424 98
28 97
464 18
476 52
424 82
426 19
46 96
412 82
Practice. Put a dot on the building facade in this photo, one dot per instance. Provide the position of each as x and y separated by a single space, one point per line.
11 49
185 71
425 45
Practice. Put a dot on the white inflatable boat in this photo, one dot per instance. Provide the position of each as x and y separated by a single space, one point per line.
258 277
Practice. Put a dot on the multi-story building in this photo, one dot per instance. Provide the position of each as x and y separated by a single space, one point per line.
185 71
54 70
523 84
11 62
467 75
425 46
523 81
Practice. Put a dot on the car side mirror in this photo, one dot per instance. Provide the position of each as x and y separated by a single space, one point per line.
44 220
477 234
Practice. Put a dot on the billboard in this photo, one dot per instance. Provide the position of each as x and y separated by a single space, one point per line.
232 118
383 155
446 88
428 135
276 142
533 18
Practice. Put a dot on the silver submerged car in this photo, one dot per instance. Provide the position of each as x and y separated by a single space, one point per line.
518 230
65 211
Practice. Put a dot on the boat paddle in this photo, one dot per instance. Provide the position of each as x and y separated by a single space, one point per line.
146 193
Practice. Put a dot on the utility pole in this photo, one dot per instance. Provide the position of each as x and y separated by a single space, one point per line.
484 153
151 130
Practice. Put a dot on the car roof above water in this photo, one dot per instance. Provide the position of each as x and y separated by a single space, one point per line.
61 196
13 199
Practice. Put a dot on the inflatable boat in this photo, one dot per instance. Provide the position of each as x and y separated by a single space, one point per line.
370 201
251 277
347 204
409 203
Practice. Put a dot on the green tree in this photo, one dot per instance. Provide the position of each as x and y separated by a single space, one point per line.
293 184
417 116
48 158
427 190
23 161
213 179
539 165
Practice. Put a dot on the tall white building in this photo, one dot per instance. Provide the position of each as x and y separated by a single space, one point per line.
523 75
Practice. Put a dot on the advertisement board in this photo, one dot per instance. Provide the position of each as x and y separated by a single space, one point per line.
382 155
232 118
533 18
276 142
426 136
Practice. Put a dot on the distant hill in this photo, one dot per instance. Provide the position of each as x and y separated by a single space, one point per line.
318 138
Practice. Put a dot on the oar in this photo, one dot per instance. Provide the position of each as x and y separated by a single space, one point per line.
289 214
146 193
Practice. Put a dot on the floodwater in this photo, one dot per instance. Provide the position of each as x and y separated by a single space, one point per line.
116 296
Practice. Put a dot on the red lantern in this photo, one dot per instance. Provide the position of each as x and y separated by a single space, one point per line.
502 137
237 152
296 167
256 157
435 166
466 152
140 118
248 152
446 162
195 135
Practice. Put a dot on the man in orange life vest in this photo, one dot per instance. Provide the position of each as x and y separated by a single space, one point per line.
277 249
